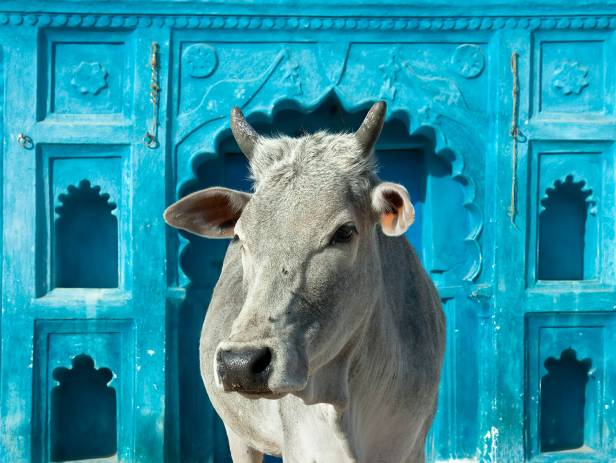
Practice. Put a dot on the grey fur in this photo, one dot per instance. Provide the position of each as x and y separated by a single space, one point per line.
356 329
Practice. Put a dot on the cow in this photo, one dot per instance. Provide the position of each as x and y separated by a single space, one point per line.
324 337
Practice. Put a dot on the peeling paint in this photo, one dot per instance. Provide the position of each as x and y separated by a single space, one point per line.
490 443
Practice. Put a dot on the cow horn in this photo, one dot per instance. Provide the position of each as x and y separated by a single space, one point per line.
370 129
245 136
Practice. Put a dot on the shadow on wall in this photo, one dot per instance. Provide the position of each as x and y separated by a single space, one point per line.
86 239
83 422
563 401
402 158
565 208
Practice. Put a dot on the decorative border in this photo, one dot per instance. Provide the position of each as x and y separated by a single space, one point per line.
445 147
533 207
309 22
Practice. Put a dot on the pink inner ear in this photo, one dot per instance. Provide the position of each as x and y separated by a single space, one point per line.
393 200
388 220
396 210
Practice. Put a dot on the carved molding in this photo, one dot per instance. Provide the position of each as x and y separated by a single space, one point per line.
308 22
291 76
468 61
242 90
201 60
438 109
451 140
390 75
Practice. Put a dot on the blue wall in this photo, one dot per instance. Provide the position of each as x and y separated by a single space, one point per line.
501 123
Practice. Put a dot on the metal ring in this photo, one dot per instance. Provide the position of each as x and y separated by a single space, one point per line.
25 141
150 140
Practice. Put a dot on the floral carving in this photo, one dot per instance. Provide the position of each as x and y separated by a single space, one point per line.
570 77
468 61
441 91
390 73
290 75
213 104
89 78
427 115
201 60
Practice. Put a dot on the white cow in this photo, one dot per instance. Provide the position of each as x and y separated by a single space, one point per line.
324 338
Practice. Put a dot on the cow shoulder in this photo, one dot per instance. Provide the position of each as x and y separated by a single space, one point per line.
415 305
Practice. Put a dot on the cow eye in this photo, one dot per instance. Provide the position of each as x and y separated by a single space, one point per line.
236 238
344 234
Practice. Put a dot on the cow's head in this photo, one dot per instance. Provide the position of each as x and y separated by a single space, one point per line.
308 242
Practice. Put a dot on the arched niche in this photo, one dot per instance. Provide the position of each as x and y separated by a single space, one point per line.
563 402
85 252
567 242
447 221
83 414
445 232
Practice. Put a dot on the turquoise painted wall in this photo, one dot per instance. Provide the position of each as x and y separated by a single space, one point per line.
501 123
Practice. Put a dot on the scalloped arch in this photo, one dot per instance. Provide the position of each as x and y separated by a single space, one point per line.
85 190
202 142
579 183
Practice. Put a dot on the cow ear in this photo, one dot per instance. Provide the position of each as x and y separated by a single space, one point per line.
211 213
392 203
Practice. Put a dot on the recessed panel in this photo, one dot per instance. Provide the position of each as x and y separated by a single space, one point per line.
572 77
87 78
570 220
569 185
84 74
570 383
83 393
83 217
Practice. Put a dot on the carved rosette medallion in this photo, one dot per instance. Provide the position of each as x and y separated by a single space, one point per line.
570 77
468 61
201 60
89 78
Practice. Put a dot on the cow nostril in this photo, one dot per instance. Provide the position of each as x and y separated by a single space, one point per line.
245 370
261 361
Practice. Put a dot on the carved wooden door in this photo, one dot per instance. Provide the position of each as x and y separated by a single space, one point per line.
102 305
555 296
288 86
83 344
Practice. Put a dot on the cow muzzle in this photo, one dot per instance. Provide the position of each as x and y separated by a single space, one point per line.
245 370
